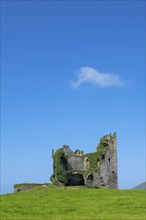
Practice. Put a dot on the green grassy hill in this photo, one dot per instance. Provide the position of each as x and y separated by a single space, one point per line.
141 186
54 203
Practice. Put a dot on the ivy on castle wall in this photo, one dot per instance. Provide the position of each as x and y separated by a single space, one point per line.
61 173
97 156
59 166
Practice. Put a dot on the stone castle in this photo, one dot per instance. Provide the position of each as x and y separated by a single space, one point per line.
97 169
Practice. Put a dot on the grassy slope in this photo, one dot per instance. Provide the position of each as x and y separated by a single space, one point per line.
74 203
141 186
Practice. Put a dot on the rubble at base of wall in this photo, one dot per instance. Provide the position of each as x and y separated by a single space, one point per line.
26 186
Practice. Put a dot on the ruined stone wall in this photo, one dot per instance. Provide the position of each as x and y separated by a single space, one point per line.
75 162
97 169
107 175
25 186
109 166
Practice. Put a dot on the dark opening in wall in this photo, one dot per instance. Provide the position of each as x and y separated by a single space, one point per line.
75 180
90 179
109 159
113 172
103 157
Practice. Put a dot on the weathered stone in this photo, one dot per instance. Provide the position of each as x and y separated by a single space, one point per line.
67 150
98 169
24 186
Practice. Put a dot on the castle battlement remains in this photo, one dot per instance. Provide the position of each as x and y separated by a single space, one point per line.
97 169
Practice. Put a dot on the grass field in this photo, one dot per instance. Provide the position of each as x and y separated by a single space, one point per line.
74 203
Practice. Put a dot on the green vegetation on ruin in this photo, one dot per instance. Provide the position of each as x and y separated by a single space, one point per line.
27 184
67 203
60 162
59 166
95 157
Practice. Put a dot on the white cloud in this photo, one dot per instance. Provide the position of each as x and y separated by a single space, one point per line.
90 75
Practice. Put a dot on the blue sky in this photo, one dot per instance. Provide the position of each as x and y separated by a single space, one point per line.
72 71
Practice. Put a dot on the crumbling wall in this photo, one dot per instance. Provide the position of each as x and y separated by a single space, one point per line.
97 169
25 186
75 162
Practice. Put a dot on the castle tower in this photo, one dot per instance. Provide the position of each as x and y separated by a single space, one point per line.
97 169
108 168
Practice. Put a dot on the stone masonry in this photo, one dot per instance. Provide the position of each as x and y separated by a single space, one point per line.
97 169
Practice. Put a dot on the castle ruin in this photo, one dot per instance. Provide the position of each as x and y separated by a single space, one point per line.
97 169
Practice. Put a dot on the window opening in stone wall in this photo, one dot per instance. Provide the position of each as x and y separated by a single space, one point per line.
102 157
90 179
109 159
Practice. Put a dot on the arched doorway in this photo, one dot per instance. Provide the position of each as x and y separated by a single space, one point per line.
76 180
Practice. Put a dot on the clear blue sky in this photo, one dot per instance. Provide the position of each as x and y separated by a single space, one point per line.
72 71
